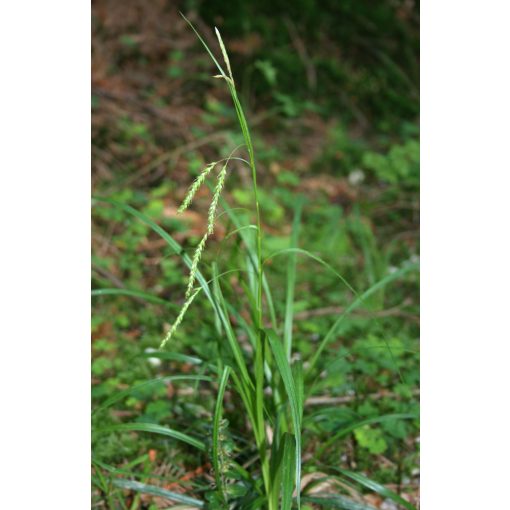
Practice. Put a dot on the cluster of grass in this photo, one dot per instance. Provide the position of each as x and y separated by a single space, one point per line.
258 434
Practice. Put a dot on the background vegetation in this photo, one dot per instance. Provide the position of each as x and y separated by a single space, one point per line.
331 92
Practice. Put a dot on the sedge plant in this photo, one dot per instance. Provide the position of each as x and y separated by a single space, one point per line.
280 478
271 387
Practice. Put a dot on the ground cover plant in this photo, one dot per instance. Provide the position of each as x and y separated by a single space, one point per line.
256 403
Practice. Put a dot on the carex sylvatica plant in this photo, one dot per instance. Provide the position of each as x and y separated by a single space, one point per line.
279 455
271 383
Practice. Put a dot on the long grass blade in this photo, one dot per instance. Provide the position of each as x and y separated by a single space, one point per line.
299 251
297 372
337 501
145 385
376 487
127 472
204 44
157 491
259 404
291 282
131 293
231 337
174 356
156 429
288 473
285 371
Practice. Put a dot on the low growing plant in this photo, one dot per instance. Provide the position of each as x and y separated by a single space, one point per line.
267 379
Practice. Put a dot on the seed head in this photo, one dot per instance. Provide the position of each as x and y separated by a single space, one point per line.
215 199
195 186
175 325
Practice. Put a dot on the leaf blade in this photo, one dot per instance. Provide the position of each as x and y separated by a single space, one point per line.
159 380
156 429
376 487
157 491
291 282
130 293
292 394
287 472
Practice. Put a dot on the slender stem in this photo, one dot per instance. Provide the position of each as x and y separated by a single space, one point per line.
259 240
260 434
260 275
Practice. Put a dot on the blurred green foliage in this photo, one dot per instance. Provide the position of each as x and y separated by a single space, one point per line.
354 58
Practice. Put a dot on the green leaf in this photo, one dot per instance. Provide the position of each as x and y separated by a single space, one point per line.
173 356
156 429
292 394
317 259
131 293
157 491
205 46
337 501
291 281
371 439
147 384
252 256
376 487
297 371
231 337
288 473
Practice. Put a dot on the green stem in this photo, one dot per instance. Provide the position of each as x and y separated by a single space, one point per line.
260 356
